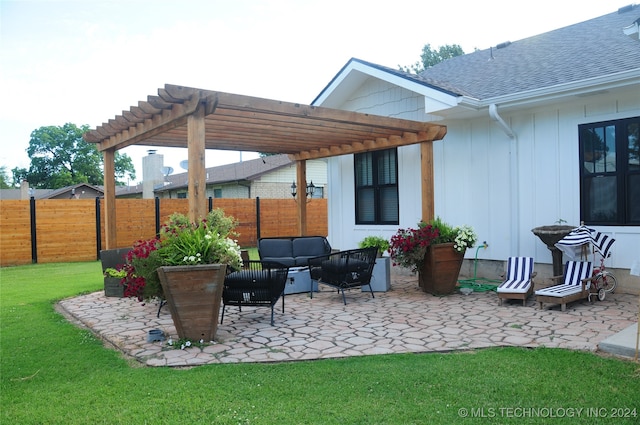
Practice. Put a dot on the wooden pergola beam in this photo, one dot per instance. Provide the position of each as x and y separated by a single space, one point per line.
200 119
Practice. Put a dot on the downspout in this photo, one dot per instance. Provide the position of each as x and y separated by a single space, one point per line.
513 180
493 113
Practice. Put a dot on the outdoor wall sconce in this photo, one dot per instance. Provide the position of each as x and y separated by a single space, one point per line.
308 190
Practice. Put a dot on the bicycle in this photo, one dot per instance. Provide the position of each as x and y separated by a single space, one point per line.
604 281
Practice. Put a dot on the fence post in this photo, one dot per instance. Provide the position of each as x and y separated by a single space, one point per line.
157 209
210 203
257 218
34 243
98 234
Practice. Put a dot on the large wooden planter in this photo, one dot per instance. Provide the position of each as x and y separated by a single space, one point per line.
441 268
194 294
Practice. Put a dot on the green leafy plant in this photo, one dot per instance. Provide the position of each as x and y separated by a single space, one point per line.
180 242
374 242
462 237
113 272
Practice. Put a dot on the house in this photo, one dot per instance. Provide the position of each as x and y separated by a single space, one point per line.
76 191
267 177
539 131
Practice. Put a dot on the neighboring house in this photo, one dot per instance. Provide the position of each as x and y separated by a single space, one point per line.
538 130
266 177
76 191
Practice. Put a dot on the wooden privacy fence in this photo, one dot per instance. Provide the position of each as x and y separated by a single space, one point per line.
63 230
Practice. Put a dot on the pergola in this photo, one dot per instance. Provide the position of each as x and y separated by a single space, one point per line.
199 119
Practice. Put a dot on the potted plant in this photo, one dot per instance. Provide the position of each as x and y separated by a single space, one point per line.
381 277
435 250
112 261
375 242
186 265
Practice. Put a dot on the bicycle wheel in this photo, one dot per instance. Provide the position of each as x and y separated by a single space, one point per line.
607 281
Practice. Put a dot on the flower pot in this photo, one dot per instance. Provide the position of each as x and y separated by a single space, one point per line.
381 276
113 287
194 294
440 270
112 258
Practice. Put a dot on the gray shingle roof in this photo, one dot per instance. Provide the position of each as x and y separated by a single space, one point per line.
589 49
246 170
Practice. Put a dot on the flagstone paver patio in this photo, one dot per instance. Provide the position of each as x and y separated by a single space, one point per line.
402 320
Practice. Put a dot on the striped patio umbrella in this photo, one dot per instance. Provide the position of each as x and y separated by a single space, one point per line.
583 240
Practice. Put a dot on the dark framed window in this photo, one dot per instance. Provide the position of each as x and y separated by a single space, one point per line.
376 180
610 172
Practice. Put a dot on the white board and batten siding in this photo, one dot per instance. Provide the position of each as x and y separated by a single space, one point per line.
502 187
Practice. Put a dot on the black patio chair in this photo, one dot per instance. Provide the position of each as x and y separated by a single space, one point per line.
258 284
344 269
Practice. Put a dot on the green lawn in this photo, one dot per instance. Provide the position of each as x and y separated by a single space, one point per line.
55 373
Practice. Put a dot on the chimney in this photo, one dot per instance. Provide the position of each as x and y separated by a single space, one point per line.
151 173
24 190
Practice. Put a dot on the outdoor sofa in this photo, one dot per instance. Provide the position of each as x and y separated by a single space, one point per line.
293 251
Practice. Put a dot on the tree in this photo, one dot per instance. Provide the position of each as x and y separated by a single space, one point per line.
4 178
431 57
61 157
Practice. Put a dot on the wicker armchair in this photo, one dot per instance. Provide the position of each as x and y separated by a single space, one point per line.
258 284
344 270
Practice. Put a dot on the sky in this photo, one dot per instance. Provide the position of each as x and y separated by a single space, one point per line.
85 61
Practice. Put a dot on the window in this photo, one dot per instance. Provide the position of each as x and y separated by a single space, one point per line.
318 192
217 193
376 179
610 172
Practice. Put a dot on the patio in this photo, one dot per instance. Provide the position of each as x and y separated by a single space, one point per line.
402 320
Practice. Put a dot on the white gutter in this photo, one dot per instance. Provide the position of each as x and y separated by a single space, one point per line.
558 91
493 113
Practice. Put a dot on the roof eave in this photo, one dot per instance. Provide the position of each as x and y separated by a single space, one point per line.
327 96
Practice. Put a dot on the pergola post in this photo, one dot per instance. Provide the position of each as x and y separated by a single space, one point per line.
196 156
110 240
301 181
428 192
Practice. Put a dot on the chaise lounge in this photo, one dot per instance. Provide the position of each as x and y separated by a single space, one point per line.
518 281
576 284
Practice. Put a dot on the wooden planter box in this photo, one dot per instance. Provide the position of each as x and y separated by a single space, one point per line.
439 274
194 295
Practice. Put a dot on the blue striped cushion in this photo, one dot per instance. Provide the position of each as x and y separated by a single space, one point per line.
518 278
574 272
